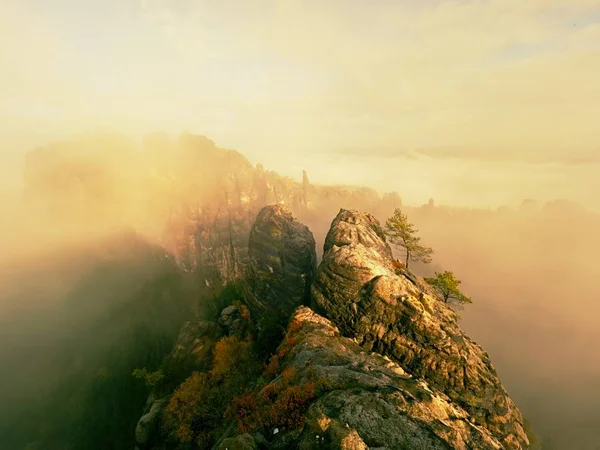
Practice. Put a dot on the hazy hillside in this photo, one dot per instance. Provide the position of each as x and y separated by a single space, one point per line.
71 351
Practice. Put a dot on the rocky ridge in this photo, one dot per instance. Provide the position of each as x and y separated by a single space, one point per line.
381 364
197 199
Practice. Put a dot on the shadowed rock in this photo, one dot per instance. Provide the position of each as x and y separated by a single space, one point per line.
282 264
357 288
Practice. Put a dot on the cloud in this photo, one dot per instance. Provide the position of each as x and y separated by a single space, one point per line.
572 158
474 74
404 74
549 157
286 81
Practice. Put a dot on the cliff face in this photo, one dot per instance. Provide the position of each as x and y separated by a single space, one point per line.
380 364
357 288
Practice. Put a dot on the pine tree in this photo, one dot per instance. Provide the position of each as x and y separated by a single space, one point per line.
402 233
447 285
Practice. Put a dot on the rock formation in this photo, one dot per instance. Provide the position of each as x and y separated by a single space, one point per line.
281 268
380 364
282 263
366 400
357 287
389 368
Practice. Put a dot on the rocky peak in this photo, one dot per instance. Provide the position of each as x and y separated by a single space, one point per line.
357 288
282 263
351 228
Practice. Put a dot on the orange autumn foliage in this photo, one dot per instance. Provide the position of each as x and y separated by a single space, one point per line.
273 368
274 365
231 354
195 411
276 405
398 264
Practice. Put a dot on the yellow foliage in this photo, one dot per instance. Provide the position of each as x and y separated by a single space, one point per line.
232 357
183 406
195 411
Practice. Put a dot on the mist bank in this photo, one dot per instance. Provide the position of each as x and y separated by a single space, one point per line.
530 269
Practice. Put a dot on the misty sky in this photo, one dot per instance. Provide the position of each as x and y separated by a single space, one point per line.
472 102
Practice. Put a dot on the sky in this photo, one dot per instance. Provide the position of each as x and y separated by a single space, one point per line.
472 102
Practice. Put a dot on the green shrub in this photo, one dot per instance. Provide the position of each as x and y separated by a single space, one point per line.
151 379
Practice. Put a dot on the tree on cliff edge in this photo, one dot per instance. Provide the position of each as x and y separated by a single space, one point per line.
402 233
447 285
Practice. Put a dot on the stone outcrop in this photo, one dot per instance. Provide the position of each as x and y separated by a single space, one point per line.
366 399
235 321
281 268
282 263
229 317
392 314
193 349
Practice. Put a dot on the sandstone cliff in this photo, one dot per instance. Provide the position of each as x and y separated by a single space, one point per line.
383 365
357 288
197 199
379 364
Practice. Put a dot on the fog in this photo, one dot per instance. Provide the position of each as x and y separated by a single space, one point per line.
471 102
533 273
479 105
77 245
533 276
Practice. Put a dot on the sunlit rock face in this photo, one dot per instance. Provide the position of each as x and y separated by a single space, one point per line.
357 288
368 400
